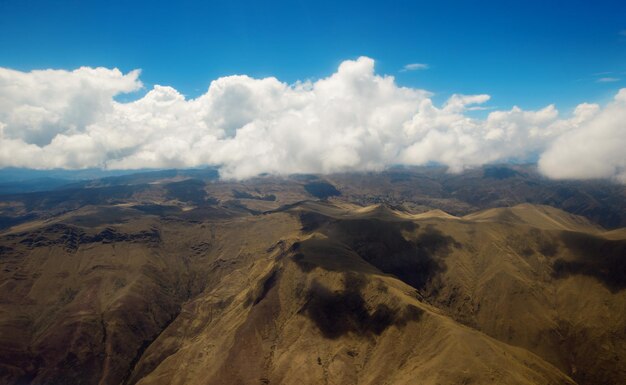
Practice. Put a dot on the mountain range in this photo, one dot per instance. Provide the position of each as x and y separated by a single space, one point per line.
408 276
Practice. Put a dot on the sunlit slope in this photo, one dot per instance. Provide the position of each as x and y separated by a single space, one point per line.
353 241
541 279
538 216
80 304
342 322
532 276
312 292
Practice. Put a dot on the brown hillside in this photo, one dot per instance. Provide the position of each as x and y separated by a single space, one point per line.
310 293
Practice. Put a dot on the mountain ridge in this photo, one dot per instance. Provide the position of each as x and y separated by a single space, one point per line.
341 292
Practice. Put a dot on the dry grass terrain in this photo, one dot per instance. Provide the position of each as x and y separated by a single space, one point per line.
258 284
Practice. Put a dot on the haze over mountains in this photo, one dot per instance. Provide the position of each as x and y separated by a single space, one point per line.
413 275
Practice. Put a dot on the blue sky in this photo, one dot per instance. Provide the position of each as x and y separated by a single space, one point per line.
527 53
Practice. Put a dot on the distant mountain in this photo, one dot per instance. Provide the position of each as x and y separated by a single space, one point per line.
17 180
32 185
13 174
413 189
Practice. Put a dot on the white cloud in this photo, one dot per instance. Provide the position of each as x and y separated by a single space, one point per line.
38 105
608 80
414 67
353 120
593 147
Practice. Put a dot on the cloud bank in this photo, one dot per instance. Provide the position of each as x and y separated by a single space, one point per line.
353 120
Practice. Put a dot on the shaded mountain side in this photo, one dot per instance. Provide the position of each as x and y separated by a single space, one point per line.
555 292
312 292
328 327
508 272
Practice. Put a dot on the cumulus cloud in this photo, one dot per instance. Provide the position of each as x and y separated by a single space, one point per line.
37 106
353 120
593 147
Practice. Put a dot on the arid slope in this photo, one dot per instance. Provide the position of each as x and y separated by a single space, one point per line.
310 293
